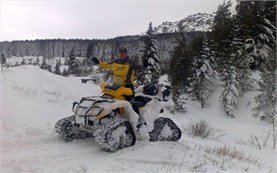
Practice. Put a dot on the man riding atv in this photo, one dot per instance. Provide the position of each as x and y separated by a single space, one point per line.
123 70
115 123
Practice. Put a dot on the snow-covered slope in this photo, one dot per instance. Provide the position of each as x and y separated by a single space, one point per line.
17 61
195 22
32 100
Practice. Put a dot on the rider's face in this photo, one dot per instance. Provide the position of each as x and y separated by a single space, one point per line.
122 55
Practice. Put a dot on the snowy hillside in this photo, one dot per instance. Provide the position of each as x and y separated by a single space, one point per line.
32 100
16 61
195 22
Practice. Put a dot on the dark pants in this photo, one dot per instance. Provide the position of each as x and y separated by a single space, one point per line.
129 98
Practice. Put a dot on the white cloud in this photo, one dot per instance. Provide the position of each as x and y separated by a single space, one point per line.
91 19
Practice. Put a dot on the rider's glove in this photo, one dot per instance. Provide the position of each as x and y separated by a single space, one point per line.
95 60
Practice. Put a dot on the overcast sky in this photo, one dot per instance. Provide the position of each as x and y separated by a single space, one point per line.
90 19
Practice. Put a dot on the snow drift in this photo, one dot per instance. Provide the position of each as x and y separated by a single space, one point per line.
32 100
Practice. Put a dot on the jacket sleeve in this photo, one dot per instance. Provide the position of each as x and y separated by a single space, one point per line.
106 65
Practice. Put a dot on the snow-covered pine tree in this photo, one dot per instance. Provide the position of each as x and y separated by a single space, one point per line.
150 59
60 61
65 72
244 75
240 58
229 77
263 50
258 20
37 61
23 62
57 68
66 61
43 64
201 86
180 71
222 35
229 94
3 61
89 50
267 97
49 68
73 63
180 100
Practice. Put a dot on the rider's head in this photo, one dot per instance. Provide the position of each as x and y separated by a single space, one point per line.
122 53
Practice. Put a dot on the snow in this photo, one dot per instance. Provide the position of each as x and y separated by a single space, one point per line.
195 22
166 132
13 61
28 59
32 100
118 133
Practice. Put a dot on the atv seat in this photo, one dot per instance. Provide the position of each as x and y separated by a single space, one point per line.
113 87
140 101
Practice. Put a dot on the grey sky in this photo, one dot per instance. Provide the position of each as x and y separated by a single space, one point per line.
22 20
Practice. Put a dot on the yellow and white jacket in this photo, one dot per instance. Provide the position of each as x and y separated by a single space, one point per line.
123 70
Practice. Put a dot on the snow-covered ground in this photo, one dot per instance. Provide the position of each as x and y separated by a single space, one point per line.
15 61
32 100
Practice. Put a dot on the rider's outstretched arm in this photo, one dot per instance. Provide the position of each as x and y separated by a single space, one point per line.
102 63
105 65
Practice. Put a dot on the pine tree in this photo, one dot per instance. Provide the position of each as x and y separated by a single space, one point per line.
262 47
258 19
226 54
49 68
244 75
23 62
57 68
180 100
229 94
180 71
60 61
229 77
73 62
43 64
37 61
150 59
240 58
202 80
89 50
66 61
65 72
180 64
3 61
267 97
221 35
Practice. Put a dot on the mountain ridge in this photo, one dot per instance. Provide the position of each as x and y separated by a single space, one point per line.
194 22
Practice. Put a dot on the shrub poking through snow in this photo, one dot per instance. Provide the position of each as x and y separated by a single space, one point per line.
203 130
231 152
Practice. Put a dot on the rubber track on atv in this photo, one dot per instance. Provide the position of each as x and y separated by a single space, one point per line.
155 134
103 133
67 129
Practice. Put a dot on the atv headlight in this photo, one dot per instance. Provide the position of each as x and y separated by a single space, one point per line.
75 107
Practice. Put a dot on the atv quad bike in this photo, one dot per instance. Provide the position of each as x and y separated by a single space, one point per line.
114 123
